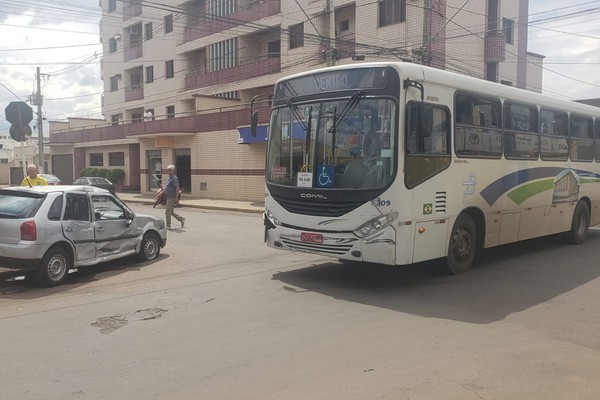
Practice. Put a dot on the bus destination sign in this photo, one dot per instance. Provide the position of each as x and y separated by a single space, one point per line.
343 79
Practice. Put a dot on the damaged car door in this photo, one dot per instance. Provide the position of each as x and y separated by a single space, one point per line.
77 226
114 226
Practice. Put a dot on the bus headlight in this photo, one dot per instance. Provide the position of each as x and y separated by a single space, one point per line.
375 225
270 218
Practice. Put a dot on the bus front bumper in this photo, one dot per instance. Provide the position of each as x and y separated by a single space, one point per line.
378 248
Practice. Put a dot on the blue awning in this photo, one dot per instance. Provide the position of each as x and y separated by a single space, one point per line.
246 136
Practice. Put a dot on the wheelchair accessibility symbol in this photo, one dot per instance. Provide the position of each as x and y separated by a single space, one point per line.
325 177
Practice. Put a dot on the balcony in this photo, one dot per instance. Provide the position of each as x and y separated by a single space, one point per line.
258 67
258 9
132 52
134 93
218 119
133 9
495 47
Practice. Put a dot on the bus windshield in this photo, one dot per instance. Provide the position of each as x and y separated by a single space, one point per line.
333 143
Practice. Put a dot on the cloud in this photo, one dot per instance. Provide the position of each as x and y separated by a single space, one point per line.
62 40
568 36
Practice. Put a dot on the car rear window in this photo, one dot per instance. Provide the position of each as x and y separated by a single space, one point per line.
19 204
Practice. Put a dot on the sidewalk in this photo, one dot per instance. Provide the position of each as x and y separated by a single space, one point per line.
226 205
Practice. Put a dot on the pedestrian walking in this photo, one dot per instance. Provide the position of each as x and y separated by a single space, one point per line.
172 189
32 178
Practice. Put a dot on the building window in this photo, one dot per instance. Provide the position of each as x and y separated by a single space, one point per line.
170 111
169 69
221 8
135 35
491 73
168 23
296 36
222 55
96 160
112 45
116 159
508 27
274 49
148 30
391 12
112 5
228 95
114 119
114 83
150 74
344 25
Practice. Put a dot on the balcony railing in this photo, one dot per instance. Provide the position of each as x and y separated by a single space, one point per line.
213 120
132 52
132 10
262 66
258 10
495 47
134 93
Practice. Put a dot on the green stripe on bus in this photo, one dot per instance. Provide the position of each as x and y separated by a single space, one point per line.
521 194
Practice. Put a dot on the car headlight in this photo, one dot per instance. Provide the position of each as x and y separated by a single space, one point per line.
375 225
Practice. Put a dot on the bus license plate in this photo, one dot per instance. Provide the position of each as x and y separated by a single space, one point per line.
311 237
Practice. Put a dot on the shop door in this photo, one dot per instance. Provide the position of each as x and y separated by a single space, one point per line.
183 164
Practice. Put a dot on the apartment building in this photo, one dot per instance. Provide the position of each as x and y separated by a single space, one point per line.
179 76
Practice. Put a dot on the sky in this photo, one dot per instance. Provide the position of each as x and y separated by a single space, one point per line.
61 38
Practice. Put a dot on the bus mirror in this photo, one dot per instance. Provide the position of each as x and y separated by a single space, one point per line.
253 123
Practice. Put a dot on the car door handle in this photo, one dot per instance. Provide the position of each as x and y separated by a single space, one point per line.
68 229
99 229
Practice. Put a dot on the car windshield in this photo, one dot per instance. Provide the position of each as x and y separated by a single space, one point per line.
98 181
19 204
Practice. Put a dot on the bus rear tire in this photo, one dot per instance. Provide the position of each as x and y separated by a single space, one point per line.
463 249
580 224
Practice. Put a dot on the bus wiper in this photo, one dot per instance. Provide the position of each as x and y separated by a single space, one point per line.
308 129
297 114
350 105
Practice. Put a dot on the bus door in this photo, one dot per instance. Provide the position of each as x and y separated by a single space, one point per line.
427 154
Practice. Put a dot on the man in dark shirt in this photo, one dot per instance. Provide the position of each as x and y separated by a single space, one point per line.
171 190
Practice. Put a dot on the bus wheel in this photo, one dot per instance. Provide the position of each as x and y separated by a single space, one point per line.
463 250
580 224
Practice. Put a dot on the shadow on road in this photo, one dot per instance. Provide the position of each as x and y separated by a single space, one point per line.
12 285
512 278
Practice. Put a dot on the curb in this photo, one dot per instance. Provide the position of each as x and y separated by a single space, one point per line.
206 207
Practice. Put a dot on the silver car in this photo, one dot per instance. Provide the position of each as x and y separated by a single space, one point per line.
48 230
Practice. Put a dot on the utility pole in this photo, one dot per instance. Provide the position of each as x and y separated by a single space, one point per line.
40 123
330 34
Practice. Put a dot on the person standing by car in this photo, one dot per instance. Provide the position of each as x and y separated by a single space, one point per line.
171 190
32 178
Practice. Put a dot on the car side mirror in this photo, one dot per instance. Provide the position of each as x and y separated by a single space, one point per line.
129 215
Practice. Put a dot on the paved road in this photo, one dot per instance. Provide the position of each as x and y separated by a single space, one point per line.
220 316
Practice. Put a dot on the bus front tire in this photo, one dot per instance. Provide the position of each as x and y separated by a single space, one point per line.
580 224
463 249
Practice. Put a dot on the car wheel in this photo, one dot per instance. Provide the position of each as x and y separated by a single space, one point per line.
54 268
463 250
150 248
580 223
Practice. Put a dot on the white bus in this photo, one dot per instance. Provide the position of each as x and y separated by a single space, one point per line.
397 163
